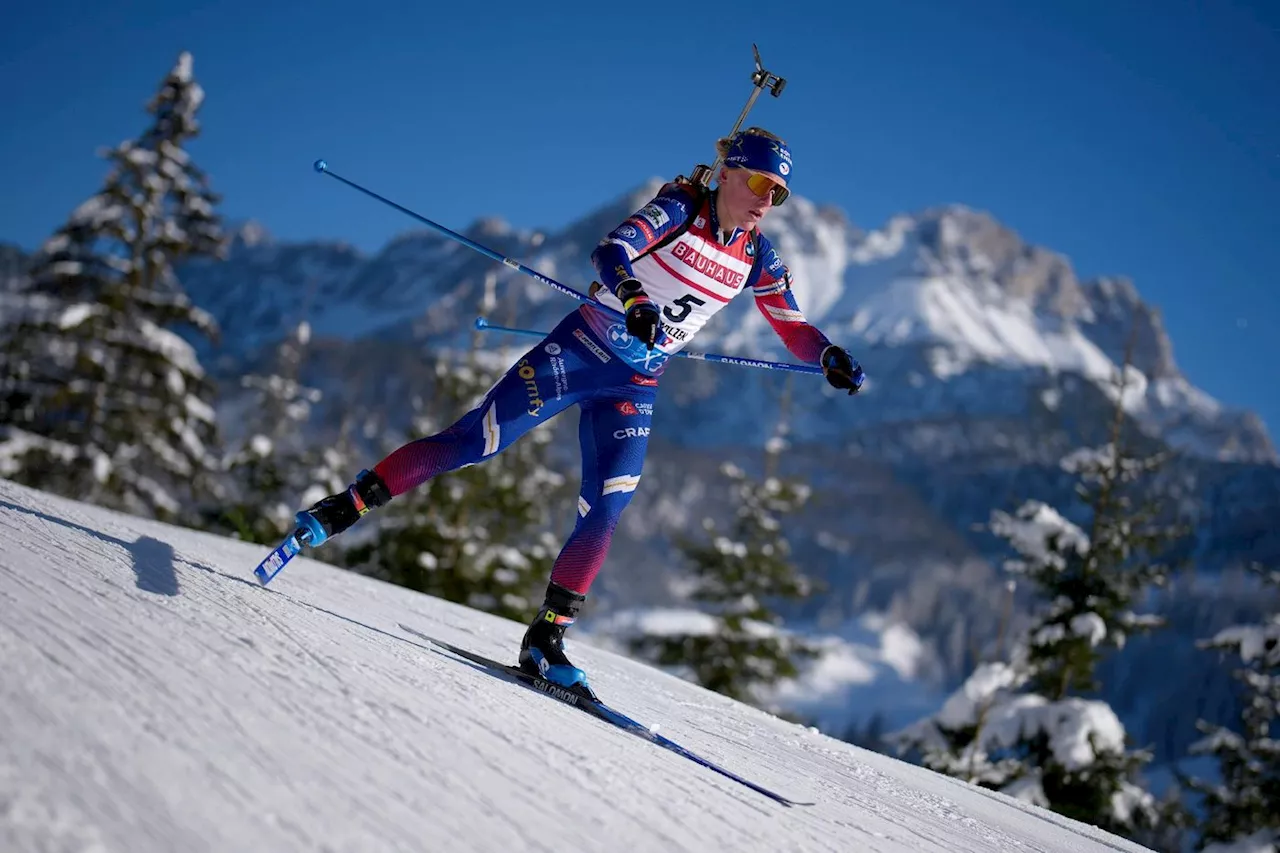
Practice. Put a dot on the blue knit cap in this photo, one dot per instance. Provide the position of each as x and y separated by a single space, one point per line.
760 154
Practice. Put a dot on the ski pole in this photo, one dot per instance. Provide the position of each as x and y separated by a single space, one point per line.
323 168
485 326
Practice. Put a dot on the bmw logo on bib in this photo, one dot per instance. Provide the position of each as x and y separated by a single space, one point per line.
618 335
633 351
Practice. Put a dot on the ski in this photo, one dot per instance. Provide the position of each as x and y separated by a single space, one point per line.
276 560
600 711
307 532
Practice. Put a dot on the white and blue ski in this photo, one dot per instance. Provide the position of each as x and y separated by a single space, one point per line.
308 532
600 711
279 556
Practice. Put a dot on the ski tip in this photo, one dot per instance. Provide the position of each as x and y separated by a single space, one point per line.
265 576
275 562
321 166
416 633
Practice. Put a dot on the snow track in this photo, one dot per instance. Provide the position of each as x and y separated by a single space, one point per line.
155 698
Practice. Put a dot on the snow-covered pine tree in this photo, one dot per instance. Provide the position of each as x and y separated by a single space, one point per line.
738 576
1241 808
480 536
1029 726
101 399
270 469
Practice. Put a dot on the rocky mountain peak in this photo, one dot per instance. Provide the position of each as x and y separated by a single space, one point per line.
941 303
1117 315
973 243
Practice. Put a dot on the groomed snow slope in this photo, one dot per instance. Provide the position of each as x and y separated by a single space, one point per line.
155 698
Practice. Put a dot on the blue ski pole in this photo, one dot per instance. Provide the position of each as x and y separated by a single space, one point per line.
485 326
323 168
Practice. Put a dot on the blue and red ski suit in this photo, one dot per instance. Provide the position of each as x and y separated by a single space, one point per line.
588 360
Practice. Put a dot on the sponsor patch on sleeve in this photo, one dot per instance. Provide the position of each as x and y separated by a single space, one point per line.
655 215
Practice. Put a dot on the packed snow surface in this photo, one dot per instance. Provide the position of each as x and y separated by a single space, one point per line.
156 698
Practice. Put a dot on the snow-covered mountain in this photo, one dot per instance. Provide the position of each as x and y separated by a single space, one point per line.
948 309
156 699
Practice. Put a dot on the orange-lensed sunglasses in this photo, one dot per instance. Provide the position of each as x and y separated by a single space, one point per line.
762 185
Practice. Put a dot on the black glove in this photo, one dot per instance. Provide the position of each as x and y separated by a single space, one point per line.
644 320
841 370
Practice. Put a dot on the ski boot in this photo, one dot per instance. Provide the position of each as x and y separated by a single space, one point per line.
334 514
542 649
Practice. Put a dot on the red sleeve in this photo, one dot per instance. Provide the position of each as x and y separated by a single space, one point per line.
771 285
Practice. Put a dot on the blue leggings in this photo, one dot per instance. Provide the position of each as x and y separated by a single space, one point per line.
569 366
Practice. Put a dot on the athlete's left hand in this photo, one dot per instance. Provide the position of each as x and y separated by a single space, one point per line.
841 370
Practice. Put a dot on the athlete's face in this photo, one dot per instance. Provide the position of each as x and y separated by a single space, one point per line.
745 197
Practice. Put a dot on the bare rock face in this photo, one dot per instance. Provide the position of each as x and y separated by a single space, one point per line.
979 245
1118 318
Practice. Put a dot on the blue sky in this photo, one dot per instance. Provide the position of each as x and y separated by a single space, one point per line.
1137 138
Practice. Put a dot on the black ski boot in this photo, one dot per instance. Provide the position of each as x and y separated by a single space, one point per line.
334 514
542 649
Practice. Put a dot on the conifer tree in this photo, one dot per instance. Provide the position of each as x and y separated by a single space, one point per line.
1243 803
1031 725
739 576
100 398
271 470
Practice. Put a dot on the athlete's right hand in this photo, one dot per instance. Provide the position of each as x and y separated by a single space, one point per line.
644 320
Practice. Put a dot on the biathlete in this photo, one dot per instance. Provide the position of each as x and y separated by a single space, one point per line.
668 268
